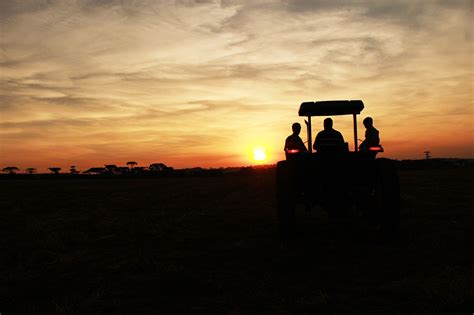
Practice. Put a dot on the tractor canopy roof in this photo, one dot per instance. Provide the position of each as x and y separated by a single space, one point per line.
331 108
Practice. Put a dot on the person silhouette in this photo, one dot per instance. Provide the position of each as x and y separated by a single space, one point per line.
371 135
294 142
329 139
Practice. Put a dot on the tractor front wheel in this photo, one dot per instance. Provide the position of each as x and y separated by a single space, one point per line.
286 199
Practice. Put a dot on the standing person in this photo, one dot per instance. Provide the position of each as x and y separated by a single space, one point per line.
294 142
371 135
328 139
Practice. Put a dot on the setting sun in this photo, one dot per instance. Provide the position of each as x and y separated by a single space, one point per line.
222 89
259 154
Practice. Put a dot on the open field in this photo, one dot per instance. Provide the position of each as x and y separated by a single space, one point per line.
200 245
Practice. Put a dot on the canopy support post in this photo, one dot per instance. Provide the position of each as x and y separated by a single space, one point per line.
308 127
355 133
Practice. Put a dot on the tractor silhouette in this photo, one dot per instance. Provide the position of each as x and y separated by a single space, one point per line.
346 184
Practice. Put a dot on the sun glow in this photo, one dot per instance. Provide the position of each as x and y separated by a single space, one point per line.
259 154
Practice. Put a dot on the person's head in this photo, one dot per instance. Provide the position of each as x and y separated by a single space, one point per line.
296 127
327 123
368 122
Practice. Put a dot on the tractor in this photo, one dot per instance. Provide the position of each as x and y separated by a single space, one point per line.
346 184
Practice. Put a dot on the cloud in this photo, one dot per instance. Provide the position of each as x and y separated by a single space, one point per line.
10 9
223 74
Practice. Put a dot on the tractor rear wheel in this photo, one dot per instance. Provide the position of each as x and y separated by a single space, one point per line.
387 194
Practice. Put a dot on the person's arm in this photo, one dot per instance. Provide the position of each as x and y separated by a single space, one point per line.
341 138
377 137
301 145
363 145
316 143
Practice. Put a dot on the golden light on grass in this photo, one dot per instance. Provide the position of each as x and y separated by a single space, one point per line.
259 154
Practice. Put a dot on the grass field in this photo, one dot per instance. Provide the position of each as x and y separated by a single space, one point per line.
207 245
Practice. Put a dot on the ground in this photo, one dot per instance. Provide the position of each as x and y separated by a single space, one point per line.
208 245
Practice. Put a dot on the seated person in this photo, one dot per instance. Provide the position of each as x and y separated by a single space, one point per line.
294 142
329 139
372 138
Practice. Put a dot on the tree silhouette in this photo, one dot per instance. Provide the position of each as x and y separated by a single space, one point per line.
122 170
10 169
54 170
111 168
31 170
159 167
96 170
139 169
73 170
132 164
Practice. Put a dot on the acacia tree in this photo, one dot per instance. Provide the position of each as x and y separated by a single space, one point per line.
132 164
31 170
73 170
159 167
10 169
54 170
111 168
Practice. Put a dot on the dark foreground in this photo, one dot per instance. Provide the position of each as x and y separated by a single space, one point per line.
201 245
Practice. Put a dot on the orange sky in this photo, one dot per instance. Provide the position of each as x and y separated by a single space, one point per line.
202 83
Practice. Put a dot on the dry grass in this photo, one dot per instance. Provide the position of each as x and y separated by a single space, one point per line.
200 245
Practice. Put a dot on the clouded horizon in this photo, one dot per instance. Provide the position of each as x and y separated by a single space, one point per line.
201 83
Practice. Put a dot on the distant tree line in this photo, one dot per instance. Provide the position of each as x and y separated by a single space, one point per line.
131 168
435 163
154 169
10 169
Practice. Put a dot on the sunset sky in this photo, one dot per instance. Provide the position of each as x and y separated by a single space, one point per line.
204 83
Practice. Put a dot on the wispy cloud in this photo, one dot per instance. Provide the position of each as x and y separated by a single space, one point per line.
210 78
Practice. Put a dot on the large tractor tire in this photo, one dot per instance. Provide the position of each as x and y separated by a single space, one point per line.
387 194
286 199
